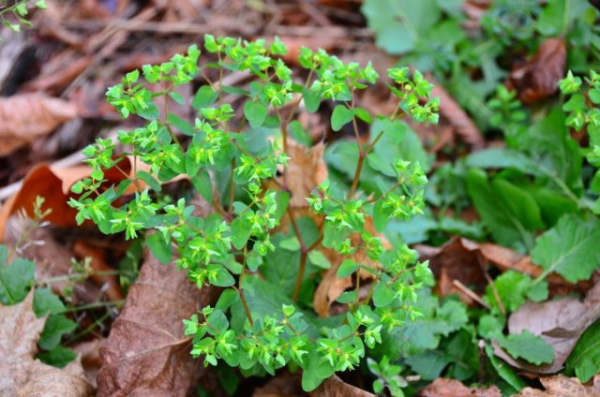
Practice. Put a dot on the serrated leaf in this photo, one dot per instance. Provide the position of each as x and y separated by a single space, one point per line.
584 360
569 249
527 346
56 326
340 117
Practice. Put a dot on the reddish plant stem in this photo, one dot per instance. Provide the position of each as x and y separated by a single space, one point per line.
303 256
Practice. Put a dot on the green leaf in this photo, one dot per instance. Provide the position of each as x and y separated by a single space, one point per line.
400 24
240 232
512 288
177 97
223 279
569 249
160 248
315 372
510 214
340 117
347 268
527 346
585 357
558 15
318 259
182 125
255 113
290 244
205 96
15 280
382 295
502 158
58 357
312 100
149 180
45 301
203 185
505 371
364 115
56 326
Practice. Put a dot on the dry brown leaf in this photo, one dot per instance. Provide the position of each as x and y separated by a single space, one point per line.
561 386
335 387
538 78
22 375
146 353
285 384
108 283
37 116
54 184
559 322
452 388
457 117
90 359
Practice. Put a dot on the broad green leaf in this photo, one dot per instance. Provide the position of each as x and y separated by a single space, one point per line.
185 127
149 180
290 244
400 24
509 213
558 15
504 370
584 360
340 117
203 185
205 96
527 346
502 158
570 249
15 280
312 100
241 229
255 113
512 288
56 326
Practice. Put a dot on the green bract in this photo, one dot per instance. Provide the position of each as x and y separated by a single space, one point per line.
236 157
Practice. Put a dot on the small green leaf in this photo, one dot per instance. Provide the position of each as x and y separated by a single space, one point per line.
527 346
149 180
56 326
364 115
161 249
240 232
203 185
312 100
45 301
382 295
205 96
318 259
58 357
255 113
340 117
585 357
347 268
177 97
290 244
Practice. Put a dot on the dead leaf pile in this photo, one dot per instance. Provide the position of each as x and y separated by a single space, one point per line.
561 386
24 376
442 387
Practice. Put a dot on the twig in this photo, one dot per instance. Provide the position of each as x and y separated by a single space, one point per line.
470 294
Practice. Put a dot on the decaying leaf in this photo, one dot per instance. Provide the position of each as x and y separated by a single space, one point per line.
22 375
37 116
561 386
335 387
146 353
54 184
285 384
538 78
442 387
559 322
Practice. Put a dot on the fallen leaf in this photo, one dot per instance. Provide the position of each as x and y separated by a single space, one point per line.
108 283
457 117
559 322
147 352
285 384
538 78
561 386
335 387
22 375
442 387
90 359
54 184
38 115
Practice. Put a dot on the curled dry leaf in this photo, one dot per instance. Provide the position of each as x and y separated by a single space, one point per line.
538 78
22 375
561 386
457 117
54 184
442 387
335 387
37 116
147 353
559 322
